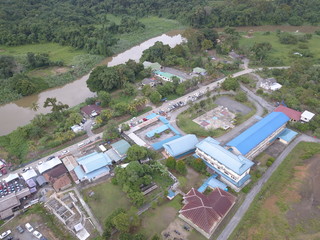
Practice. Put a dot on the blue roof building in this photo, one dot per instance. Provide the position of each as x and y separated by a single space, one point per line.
233 169
256 138
92 166
181 146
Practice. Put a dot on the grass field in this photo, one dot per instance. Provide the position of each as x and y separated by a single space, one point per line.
287 206
154 221
55 51
154 27
107 197
281 50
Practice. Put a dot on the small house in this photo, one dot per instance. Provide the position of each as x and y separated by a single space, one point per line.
154 66
92 110
270 84
306 116
200 71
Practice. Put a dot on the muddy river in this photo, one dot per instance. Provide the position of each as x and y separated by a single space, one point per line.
18 113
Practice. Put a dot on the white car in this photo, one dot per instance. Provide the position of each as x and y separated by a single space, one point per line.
37 234
65 151
6 233
29 227
40 162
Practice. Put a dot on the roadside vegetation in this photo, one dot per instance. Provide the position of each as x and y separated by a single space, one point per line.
271 213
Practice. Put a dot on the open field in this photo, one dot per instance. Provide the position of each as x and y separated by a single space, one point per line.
287 207
107 197
279 50
55 51
156 220
41 221
192 180
154 26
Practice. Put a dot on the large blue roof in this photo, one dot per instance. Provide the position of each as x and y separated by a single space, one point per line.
238 164
82 175
94 161
254 135
181 145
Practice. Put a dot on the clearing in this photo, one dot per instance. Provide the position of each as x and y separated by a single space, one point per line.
279 50
287 207
107 197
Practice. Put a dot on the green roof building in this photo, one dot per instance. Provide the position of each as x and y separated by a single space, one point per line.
167 76
154 66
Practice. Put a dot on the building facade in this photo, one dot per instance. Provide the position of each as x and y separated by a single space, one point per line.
233 169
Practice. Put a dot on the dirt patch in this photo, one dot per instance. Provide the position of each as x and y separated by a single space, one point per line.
194 180
270 203
2 50
308 208
176 230
275 149
59 70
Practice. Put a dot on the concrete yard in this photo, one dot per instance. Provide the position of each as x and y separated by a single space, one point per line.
219 117
232 105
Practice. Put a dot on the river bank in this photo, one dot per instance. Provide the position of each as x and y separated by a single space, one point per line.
18 113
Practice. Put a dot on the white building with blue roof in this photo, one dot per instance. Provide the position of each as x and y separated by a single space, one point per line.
233 169
259 136
92 166
181 146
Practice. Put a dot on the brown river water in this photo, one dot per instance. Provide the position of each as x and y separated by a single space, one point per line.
18 113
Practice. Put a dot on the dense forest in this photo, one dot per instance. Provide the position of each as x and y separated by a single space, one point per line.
84 24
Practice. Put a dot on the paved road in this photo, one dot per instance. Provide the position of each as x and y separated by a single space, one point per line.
256 189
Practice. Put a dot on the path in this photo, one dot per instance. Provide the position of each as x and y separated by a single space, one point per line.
257 187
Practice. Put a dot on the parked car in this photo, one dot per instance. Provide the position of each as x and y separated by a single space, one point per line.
51 157
20 229
40 162
26 169
37 234
65 151
29 227
6 233
43 238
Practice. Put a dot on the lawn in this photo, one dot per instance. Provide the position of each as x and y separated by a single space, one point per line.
154 221
154 27
279 50
55 51
107 197
285 207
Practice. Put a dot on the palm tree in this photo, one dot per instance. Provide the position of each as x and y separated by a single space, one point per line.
34 106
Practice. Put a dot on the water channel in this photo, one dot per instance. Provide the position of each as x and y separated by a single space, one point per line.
18 113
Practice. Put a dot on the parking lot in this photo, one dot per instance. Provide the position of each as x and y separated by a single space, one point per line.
232 105
11 187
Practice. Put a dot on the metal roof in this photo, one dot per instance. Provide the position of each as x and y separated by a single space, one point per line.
254 135
238 164
29 174
291 113
157 130
82 175
181 145
121 147
94 161
287 135
45 166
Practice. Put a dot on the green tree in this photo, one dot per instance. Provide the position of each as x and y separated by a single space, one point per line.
136 198
181 89
241 97
261 50
104 98
136 152
230 84
181 167
74 118
56 107
171 163
155 97
111 131
206 44
34 106
122 222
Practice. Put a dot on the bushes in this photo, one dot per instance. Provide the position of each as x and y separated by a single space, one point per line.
179 165
270 161
197 164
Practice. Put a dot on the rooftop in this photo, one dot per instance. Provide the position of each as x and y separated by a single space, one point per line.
238 164
45 166
29 174
199 70
91 108
55 172
121 147
70 162
207 211
82 175
254 135
181 145
153 66
61 182
167 75
291 113
94 161
287 135
307 114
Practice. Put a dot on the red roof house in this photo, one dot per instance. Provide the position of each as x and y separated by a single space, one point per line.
91 110
205 212
291 113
